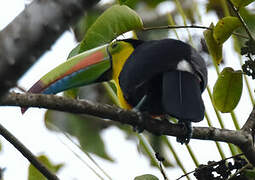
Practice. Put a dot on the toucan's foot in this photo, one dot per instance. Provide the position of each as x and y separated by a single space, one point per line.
188 128
139 128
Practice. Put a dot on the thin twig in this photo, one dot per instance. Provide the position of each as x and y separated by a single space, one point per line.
189 26
162 171
161 168
79 157
241 19
27 153
87 154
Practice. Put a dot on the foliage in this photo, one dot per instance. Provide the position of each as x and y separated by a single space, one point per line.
112 23
146 177
227 90
224 28
241 3
34 174
214 48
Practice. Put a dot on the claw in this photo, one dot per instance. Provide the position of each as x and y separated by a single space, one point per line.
188 128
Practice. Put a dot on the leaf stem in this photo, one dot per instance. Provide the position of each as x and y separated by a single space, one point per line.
184 18
231 147
192 155
177 159
216 142
148 149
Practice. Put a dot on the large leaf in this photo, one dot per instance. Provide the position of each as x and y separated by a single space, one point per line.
224 28
213 47
133 3
85 22
34 174
146 177
130 3
85 128
241 3
113 22
227 90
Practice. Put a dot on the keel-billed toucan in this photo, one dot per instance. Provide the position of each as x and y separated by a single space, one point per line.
161 76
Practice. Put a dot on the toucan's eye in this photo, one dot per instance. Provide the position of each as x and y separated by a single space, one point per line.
114 45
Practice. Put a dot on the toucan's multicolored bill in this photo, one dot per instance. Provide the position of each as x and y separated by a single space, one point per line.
82 69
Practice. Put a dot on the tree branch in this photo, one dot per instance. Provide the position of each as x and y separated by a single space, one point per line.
136 119
32 33
243 139
250 123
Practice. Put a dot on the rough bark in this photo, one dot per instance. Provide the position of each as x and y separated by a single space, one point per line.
32 33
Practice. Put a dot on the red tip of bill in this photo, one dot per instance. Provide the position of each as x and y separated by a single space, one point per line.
38 87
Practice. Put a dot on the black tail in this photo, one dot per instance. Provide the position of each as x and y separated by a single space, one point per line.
181 96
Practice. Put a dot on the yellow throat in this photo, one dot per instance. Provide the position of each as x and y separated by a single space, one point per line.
118 60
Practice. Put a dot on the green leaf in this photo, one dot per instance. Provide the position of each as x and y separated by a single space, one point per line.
85 22
85 128
74 51
146 177
113 22
34 174
224 28
227 90
241 3
130 3
214 49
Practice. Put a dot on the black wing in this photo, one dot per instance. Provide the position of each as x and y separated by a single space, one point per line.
149 60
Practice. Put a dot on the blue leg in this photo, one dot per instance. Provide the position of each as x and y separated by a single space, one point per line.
137 108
